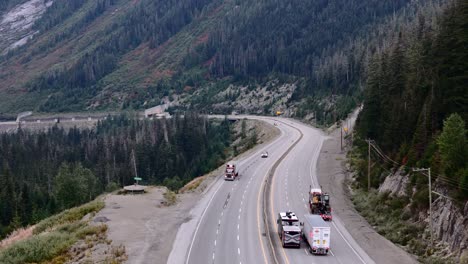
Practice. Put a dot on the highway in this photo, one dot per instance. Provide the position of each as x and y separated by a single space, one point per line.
227 225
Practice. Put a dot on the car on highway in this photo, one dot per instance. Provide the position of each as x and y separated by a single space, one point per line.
264 154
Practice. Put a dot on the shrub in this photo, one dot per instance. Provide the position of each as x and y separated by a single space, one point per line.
171 197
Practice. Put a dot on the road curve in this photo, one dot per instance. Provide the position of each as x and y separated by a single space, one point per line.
227 224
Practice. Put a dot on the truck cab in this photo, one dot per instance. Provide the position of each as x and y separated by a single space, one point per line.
289 229
230 173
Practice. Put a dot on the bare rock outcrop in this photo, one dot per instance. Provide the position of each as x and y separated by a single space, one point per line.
451 224
16 24
395 183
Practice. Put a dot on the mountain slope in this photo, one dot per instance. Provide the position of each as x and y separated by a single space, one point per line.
416 111
130 54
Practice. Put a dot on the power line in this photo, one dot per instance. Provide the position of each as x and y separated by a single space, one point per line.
383 155
388 160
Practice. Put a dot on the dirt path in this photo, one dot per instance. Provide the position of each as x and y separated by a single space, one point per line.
332 177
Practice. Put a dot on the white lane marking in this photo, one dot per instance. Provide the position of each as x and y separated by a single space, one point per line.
213 255
238 251
331 252
237 237
237 226
217 231
239 217
306 251
240 210
215 243
222 213
219 221
355 252
199 222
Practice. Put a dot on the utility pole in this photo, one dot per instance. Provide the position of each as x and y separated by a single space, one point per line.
341 136
430 201
368 166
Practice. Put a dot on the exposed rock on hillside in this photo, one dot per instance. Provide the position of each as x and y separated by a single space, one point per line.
450 220
396 184
451 225
16 25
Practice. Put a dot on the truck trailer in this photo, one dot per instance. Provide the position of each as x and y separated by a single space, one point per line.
316 233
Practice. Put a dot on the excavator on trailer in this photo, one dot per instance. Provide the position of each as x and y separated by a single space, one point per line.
319 203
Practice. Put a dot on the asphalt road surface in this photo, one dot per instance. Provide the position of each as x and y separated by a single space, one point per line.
227 225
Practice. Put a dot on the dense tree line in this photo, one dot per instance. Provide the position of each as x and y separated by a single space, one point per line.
8 4
44 172
416 102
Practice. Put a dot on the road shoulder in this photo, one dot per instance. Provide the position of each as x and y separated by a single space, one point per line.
333 177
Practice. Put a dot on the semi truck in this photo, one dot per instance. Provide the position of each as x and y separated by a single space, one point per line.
289 229
230 173
316 233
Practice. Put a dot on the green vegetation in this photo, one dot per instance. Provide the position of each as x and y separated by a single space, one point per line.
54 236
42 173
389 217
415 110
416 104
170 197
130 54
7 4
453 149
68 216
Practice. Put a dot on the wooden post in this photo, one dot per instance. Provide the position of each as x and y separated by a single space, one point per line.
368 166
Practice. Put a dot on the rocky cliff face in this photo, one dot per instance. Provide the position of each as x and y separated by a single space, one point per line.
450 220
396 184
451 225
16 24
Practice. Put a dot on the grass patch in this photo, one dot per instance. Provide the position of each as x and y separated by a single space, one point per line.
389 218
70 215
192 185
63 231
38 248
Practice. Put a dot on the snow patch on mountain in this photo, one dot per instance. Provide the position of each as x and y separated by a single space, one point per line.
16 24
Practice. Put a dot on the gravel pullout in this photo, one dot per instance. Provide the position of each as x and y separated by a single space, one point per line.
147 228
332 175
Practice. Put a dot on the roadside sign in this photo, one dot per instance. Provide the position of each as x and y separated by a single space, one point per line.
137 179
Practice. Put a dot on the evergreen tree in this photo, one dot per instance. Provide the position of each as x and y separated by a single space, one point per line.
453 145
